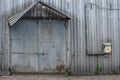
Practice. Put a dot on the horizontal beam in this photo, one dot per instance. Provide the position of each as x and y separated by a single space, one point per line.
42 18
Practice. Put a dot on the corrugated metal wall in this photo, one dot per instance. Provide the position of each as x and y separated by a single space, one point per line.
80 63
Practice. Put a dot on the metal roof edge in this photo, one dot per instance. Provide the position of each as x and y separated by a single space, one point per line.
14 18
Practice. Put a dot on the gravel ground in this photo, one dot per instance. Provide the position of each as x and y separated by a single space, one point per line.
59 77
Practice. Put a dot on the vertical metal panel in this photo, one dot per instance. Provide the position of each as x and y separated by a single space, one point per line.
24 46
52 46
46 61
118 5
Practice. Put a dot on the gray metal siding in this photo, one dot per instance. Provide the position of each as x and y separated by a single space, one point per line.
79 61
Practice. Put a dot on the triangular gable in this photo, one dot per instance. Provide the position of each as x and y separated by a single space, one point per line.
13 19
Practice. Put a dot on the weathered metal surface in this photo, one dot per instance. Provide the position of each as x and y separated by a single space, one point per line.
80 63
24 37
39 41
24 63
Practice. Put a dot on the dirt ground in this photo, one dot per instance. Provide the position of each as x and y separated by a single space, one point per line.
59 77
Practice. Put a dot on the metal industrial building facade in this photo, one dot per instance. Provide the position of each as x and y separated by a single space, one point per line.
93 22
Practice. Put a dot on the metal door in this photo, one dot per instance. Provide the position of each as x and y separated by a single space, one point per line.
24 46
38 46
51 47
46 56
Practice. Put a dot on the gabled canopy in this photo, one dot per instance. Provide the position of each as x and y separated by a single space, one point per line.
14 18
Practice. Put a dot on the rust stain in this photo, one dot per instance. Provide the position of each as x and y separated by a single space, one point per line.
60 68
